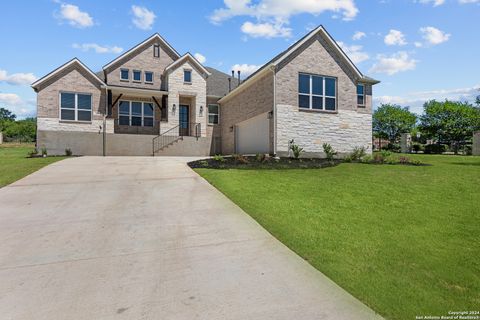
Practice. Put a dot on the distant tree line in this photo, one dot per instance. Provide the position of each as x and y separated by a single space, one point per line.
447 124
17 130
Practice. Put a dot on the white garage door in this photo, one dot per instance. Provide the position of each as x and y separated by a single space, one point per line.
252 135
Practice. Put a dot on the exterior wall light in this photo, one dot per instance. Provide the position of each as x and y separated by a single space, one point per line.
201 110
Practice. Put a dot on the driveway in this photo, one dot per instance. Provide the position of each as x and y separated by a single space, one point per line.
147 238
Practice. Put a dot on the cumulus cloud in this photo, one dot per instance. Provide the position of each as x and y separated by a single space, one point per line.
143 18
435 3
17 79
200 57
359 35
434 36
97 48
266 30
245 69
395 38
354 52
395 63
74 16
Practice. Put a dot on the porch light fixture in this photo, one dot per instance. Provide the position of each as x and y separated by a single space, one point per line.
201 110
174 108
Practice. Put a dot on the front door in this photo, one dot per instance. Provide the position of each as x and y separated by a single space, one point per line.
184 120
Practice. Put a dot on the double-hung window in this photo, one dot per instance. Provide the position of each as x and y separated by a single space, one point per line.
137 75
213 114
317 92
124 74
187 76
360 95
148 77
75 106
137 114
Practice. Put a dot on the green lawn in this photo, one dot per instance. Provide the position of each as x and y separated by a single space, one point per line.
15 165
405 240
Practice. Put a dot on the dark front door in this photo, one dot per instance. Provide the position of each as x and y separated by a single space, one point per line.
184 120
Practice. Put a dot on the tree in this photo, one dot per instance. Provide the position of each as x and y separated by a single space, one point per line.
21 130
450 122
390 121
6 116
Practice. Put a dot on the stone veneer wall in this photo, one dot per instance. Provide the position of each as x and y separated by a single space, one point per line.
252 101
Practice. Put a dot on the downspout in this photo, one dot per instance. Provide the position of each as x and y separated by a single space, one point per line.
274 111
105 123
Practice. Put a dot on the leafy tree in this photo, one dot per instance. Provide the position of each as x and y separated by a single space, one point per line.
450 122
390 121
6 114
21 130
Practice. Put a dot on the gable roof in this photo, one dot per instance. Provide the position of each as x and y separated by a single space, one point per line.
275 61
126 53
217 83
187 56
63 67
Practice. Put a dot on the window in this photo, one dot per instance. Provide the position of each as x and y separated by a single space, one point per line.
361 95
137 114
317 92
148 76
187 76
156 50
137 75
213 114
124 74
75 106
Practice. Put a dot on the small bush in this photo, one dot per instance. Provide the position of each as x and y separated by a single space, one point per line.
367 159
357 154
297 151
240 159
261 157
330 153
435 148
68 152
218 158
33 153
404 160
417 147
378 158
394 147
44 152
204 163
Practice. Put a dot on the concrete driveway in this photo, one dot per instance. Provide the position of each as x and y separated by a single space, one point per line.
147 238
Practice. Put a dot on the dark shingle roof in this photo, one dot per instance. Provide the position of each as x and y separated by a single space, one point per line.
217 83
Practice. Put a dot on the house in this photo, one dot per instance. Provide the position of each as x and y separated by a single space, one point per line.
152 100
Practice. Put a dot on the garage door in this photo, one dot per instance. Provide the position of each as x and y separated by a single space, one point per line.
252 135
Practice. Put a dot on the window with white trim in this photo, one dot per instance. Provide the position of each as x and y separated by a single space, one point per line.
361 95
137 75
317 92
148 76
135 113
75 106
213 114
124 74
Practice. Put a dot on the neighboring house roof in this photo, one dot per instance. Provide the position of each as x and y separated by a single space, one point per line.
187 57
138 46
63 67
217 83
290 50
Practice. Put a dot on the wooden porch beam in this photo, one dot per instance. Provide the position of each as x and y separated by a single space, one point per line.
116 100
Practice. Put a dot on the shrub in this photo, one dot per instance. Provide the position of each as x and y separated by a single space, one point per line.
435 148
261 157
44 152
330 153
367 159
68 152
395 147
357 154
404 160
204 163
238 158
218 158
33 153
297 151
378 158
417 147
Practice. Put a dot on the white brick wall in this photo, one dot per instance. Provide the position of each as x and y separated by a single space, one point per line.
53 124
344 130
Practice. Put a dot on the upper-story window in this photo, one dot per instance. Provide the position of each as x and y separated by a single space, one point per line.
75 106
317 92
124 74
187 76
156 50
213 114
361 95
148 76
137 75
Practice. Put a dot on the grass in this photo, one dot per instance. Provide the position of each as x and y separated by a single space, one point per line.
15 165
405 240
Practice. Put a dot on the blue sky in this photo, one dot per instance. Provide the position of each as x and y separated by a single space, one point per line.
419 49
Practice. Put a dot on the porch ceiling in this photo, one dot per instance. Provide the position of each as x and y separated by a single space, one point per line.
138 92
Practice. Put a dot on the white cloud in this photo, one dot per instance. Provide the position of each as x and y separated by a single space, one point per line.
266 30
143 18
359 35
468 1
393 64
74 16
11 99
395 38
354 52
17 79
97 48
200 57
436 3
434 36
245 69
418 44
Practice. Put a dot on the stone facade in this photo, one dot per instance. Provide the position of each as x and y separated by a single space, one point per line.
250 102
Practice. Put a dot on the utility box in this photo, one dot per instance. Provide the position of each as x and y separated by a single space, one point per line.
406 143
476 144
